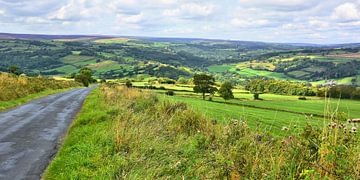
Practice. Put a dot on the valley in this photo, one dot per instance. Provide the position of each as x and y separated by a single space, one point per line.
163 108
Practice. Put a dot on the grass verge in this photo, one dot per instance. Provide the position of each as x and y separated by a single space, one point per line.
5 105
125 133
88 150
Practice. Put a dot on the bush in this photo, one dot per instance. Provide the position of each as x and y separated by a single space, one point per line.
128 84
170 93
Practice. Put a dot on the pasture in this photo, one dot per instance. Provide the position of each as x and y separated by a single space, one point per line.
271 114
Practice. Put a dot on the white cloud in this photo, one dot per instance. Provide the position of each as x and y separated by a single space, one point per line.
189 10
292 26
286 5
346 12
133 19
249 23
275 20
317 23
76 10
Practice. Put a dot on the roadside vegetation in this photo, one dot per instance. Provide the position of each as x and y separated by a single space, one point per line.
135 134
13 87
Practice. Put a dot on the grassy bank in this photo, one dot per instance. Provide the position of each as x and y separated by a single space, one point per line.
130 134
13 87
13 103
16 90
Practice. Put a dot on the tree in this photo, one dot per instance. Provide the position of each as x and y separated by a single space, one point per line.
14 70
85 77
256 87
225 91
204 84
128 84
182 80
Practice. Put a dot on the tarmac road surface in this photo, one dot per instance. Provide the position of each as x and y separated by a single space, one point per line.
30 134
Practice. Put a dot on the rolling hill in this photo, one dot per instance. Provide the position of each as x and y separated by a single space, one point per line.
114 57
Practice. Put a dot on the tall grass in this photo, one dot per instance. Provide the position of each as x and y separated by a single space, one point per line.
13 87
148 138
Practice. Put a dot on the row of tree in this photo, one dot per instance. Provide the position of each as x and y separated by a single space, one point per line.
260 86
340 91
205 84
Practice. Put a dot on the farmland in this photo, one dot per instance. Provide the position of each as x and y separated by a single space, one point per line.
120 57
151 117
272 113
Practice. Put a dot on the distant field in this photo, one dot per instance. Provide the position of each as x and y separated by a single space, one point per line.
347 55
67 69
346 81
333 58
79 60
105 66
245 71
219 68
112 40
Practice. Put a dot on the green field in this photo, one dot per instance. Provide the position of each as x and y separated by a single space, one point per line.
246 72
272 113
219 68
265 120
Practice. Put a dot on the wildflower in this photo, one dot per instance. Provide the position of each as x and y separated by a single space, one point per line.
284 128
353 129
341 126
333 125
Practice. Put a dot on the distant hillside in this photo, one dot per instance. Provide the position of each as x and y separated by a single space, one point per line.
118 57
46 37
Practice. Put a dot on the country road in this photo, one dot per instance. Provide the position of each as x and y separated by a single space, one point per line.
29 134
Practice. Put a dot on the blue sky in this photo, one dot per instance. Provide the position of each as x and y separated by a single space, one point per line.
301 21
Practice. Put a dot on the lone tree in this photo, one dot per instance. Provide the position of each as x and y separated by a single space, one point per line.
225 91
14 70
256 87
85 77
204 84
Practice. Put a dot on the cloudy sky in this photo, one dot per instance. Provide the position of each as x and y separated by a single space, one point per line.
302 21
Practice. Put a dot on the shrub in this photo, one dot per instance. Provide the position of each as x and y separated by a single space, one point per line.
170 93
128 84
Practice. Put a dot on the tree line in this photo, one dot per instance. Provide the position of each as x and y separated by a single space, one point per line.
260 86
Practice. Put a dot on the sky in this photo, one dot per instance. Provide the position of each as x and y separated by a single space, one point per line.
291 21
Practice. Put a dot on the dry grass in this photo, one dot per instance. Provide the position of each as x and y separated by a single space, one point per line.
13 87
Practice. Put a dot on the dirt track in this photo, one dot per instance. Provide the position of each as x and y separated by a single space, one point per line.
29 134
